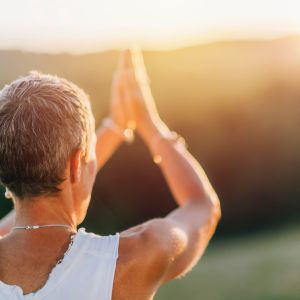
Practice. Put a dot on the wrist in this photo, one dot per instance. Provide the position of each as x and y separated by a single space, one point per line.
107 132
152 128
120 132
116 121
156 133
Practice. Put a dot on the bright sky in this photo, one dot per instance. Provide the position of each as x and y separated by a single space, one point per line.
90 25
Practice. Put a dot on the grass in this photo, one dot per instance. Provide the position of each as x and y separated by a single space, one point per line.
264 266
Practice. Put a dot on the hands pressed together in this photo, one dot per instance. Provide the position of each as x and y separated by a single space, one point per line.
132 109
132 104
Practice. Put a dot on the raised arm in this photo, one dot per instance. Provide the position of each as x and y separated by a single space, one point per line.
175 243
107 143
108 140
186 231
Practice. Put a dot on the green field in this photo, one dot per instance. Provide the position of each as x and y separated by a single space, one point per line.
265 266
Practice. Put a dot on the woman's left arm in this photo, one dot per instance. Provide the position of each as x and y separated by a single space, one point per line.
108 137
107 143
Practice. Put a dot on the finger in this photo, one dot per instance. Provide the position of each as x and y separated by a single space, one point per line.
131 61
125 61
122 97
115 84
117 88
138 59
122 78
137 56
127 100
139 64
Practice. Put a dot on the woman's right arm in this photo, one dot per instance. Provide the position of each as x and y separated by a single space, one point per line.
185 233
178 240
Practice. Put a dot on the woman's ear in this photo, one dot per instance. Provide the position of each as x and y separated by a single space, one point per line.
75 165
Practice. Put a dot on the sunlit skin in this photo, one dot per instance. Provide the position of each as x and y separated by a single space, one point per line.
149 254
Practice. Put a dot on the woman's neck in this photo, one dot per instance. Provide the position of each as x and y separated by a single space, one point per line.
44 211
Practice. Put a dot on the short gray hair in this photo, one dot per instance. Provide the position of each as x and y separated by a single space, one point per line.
43 120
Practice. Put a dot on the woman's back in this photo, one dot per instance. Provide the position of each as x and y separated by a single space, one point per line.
85 272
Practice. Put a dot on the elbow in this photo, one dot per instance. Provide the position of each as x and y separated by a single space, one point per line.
216 208
213 216
208 212
211 204
213 207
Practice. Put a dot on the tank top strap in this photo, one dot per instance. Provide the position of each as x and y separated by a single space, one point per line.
107 245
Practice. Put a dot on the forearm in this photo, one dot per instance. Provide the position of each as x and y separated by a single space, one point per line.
7 223
183 173
107 143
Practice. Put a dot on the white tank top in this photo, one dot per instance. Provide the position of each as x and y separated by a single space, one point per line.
86 272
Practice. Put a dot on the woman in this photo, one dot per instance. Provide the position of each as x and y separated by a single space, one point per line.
49 157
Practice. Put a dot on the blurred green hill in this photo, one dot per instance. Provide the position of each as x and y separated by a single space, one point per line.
237 103
261 267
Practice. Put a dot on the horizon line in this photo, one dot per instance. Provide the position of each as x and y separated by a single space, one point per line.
148 48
